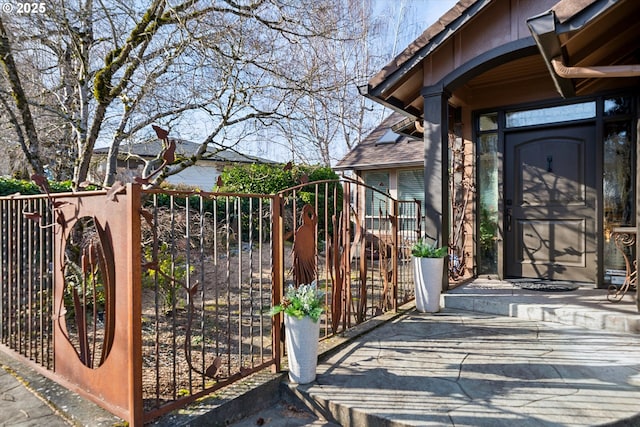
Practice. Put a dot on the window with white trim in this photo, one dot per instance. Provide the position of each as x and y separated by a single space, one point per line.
376 205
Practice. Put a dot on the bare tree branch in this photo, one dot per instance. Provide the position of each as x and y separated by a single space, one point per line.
30 146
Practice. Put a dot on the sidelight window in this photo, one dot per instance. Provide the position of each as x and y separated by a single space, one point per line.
618 180
488 169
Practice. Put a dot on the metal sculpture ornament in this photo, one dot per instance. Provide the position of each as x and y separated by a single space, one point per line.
304 248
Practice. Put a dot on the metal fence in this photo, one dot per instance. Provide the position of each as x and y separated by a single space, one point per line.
26 261
362 240
145 300
206 282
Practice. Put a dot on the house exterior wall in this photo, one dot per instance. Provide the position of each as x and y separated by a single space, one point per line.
203 175
501 22
494 56
200 176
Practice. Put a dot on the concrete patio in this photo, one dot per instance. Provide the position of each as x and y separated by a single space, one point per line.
495 355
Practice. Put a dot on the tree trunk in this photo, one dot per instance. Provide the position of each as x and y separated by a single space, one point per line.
31 150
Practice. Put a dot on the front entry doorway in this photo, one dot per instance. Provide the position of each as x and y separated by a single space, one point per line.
550 203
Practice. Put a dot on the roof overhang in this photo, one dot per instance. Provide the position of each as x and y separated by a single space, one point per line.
573 47
405 69
583 40
378 166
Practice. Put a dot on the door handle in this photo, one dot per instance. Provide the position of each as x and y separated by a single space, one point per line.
507 217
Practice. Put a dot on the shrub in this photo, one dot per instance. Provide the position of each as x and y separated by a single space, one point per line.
10 186
269 178
169 272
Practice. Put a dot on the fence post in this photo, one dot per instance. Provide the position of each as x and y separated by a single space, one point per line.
277 272
394 252
135 297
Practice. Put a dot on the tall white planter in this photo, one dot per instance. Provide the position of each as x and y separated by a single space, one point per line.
301 339
427 275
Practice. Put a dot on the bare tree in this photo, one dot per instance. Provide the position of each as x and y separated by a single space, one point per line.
331 116
104 70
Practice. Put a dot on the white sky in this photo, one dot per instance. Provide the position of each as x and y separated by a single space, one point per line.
411 17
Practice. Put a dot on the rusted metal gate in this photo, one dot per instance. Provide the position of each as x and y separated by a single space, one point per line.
353 240
207 291
142 301
52 268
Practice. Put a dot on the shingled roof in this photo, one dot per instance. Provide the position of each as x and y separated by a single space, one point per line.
400 150
184 148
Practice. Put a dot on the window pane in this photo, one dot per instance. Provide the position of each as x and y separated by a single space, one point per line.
489 121
376 204
410 187
488 192
563 113
616 106
618 195
389 137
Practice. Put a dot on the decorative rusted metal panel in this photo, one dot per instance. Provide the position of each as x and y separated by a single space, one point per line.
97 250
304 247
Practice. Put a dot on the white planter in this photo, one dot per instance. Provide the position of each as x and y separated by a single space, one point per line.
427 275
301 339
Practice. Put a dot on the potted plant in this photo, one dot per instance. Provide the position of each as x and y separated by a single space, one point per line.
302 307
428 268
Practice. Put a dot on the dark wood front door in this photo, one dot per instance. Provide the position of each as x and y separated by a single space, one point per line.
549 200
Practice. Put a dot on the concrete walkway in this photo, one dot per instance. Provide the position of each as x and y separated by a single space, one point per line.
493 360
19 406
30 399
469 369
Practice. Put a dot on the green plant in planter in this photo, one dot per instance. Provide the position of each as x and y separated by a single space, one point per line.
306 300
421 249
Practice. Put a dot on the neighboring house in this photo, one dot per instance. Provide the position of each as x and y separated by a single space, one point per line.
389 160
203 175
546 92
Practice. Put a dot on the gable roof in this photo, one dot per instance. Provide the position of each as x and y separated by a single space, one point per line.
513 38
408 62
184 148
372 153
